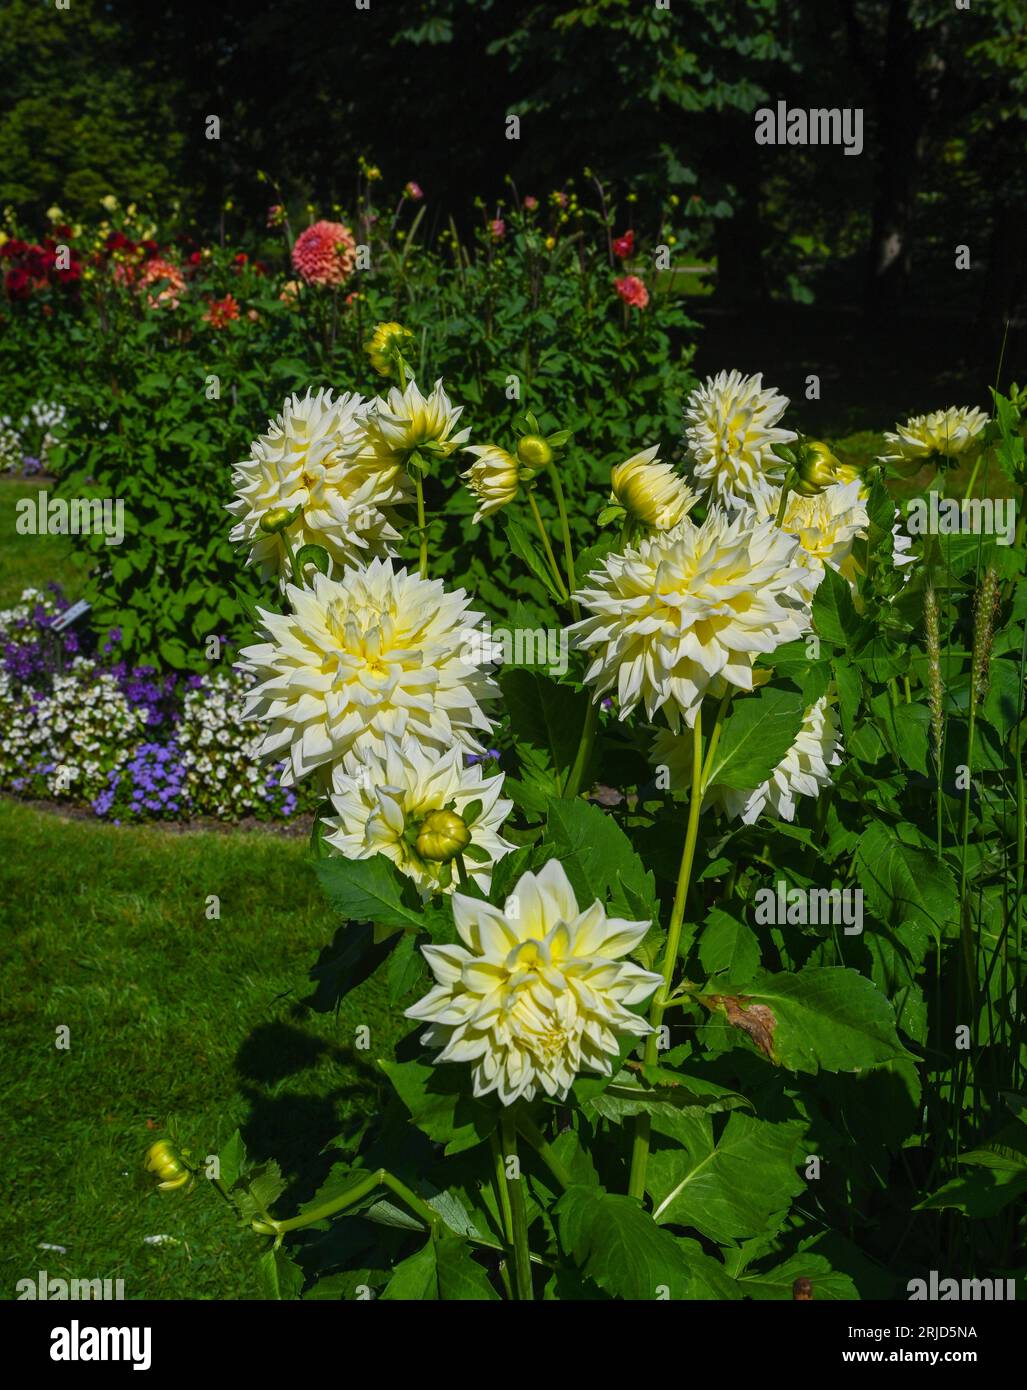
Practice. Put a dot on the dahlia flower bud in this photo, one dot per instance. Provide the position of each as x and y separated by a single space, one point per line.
650 491
443 835
162 1160
277 519
816 470
493 479
386 344
534 451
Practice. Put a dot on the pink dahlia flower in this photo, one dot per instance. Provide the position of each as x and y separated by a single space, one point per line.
325 253
632 291
167 280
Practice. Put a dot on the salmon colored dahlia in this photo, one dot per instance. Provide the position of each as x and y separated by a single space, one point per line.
168 282
221 312
325 253
632 290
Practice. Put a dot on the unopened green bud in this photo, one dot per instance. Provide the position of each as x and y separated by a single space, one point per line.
276 520
534 451
442 836
816 470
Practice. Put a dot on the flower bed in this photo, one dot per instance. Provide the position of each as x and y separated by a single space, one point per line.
85 728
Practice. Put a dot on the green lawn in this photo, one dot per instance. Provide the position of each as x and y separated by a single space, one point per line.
171 1016
28 561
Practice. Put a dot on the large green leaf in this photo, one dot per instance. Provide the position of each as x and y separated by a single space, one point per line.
440 1103
834 615
728 946
756 736
825 1018
546 719
619 1246
741 1186
374 890
278 1276
828 1285
441 1269
902 883
599 859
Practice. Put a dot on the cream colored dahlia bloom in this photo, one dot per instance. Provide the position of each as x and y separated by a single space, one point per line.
949 432
826 526
308 460
381 802
731 432
377 652
651 491
538 992
688 608
405 420
493 478
803 771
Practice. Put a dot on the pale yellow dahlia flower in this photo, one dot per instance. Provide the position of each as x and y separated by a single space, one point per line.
382 802
826 526
731 432
689 608
538 992
803 771
404 421
651 491
493 478
950 432
307 460
377 652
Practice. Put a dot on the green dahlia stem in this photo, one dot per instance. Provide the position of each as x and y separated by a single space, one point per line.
518 1213
700 774
502 1189
541 1145
377 1178
554 568
419 483
568 552
296 579
588 734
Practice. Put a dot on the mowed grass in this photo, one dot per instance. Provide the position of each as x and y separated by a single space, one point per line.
173 1018
29 561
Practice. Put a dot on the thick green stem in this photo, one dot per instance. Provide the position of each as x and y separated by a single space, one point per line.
785 490
377 1178
700 772
540 1144
554 568
296 578
518 1213
502 1189
568 552
588 734
419 484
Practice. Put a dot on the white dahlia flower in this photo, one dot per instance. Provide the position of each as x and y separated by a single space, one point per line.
538 992
493 478
803 771
949 432
405 420
378 651
688 608
381 803
826 526
307 460
731 431
651 491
